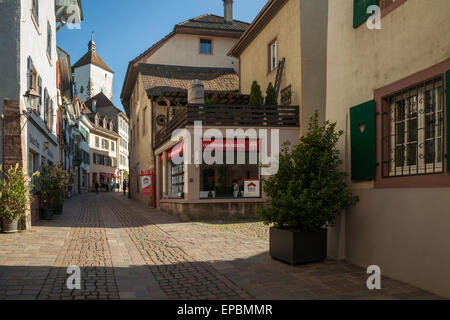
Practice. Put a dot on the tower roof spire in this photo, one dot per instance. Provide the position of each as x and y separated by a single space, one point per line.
91 44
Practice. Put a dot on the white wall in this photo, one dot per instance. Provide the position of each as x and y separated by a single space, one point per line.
184 50
102 80
33 43
81 76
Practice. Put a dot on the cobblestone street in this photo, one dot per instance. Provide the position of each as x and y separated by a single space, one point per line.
127 251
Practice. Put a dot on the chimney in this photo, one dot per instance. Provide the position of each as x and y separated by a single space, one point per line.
228 11
196 92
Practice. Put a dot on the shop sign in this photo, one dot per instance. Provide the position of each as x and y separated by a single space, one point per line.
231 145
175 151
251 188
147 182
34 141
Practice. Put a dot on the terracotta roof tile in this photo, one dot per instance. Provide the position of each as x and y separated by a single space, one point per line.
91 57
163 78
211 21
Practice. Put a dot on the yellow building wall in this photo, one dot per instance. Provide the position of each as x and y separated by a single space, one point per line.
404 231
140 143
285 28
184 50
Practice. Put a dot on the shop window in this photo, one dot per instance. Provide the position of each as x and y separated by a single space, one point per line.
175 160
230 180
413 130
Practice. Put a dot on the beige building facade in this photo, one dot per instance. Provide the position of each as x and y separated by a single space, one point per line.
195 49
386 90
296 31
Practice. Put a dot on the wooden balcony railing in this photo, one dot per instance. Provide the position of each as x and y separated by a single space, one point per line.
230 116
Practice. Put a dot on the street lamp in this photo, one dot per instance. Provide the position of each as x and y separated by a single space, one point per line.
32 99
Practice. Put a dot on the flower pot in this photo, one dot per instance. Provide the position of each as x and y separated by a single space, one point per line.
298 247
47 213
59 210
9 226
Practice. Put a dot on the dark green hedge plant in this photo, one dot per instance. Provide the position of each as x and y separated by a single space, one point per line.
256 97
309 189
271 95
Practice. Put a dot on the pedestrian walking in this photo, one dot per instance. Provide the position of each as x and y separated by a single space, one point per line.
124 187
96 187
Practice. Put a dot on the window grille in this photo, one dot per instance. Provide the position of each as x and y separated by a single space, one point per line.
413 130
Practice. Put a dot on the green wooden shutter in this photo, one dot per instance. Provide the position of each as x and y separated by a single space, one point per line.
360 11
362 135
447 98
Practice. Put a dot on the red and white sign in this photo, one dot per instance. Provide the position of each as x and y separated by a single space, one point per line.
175 151
230 145
147 183
251 188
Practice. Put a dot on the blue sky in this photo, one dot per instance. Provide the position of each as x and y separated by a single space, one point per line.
124 29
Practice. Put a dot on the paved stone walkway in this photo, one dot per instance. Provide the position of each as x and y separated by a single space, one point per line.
127 251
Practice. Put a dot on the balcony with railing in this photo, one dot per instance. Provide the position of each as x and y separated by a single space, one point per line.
229 116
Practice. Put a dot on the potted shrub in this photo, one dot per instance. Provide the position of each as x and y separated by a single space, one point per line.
307 193
50 190
63 182
15 195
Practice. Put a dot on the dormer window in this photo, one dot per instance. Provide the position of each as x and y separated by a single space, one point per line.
104 123
205 46
111 126
96 121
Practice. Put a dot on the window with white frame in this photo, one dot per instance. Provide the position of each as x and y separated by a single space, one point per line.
413 126
273 52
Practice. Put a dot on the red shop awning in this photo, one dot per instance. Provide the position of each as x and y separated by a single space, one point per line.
230 145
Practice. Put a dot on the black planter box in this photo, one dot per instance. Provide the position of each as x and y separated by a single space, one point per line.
297 247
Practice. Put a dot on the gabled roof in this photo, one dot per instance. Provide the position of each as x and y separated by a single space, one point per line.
101 101
266 14
207 24
213 22
163 78
104 108
91 57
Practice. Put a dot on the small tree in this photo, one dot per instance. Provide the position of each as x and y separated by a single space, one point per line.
256 97
309 188
271 95
53 180
15 193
